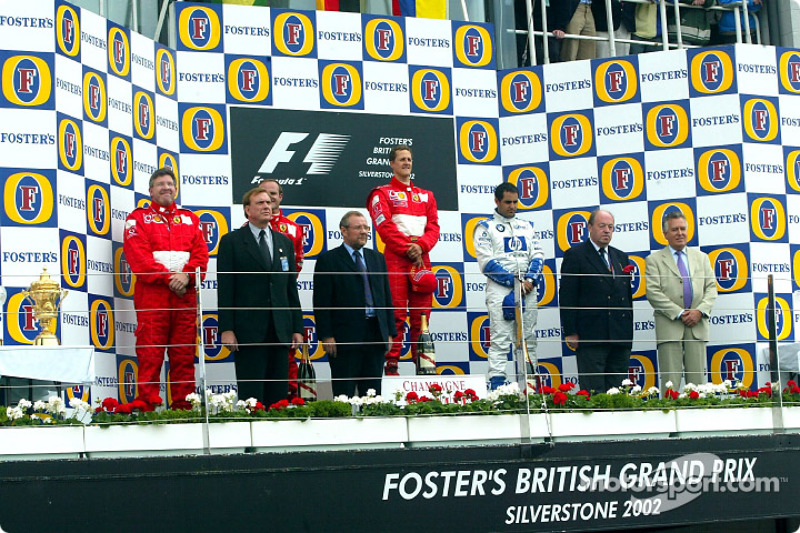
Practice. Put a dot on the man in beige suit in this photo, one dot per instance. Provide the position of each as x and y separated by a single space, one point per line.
682 289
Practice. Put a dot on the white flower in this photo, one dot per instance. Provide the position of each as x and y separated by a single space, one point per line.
36 417
79 405
24 404
690 387
727 383
613 390
626 383
194 399
39 405
668 385
342 398
356 400
14 413
47 420
55 405
371 393
652 391
636 390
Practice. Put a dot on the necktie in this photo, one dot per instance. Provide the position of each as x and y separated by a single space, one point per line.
367 291
687 281
605 258
262 245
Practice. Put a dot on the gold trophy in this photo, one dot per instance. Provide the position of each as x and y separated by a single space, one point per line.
46 296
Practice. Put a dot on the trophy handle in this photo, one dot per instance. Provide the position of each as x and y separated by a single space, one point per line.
61 299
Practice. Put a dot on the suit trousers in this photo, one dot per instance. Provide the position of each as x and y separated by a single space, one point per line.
601 367
262 371
682 357
581 23
359 365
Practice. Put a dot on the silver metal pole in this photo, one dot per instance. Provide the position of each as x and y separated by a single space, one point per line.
464 9
545 37
738 24
746 15
201 356
531 40
161 16
662 6
678 31
612 47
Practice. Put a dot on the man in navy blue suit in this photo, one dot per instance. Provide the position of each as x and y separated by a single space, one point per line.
597 306
353 309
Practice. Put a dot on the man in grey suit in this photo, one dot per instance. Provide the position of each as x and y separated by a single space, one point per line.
259 308
682 288
353 309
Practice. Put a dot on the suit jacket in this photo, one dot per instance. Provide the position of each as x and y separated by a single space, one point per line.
339 298
251 294
596 304
600 15
665 292
563 10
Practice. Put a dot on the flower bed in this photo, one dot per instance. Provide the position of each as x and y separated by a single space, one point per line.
505 400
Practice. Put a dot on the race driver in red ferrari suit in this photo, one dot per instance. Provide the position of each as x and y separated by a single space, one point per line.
163 246
407 221
283 225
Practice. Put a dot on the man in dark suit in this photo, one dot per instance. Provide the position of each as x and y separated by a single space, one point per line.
259 308
597 306
353 309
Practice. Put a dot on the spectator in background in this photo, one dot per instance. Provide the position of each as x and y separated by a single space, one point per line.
727 22
575 17
601 27
694 25
648 27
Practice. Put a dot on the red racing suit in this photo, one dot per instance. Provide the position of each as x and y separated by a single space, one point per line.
291 229
403 214
158 242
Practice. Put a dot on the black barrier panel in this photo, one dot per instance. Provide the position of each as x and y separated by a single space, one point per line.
488 488
329 159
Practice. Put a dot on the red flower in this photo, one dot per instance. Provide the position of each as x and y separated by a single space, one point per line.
471 392
139 404
671 394
412 397
295 401
458 395
280 404
546 390
123 409
559 398
694 395
425 399
109 404
566 387
435 388
259 406
791 383
583 392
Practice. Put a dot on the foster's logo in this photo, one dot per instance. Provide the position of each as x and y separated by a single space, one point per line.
248 80
622 178
549 373
293 33
101 323
767 218
760 119
203 128
315 351
144 116
638 284
479 336
312 222
533 185
70 144
521 91
783 316
642 369
710 72
477 141
73 260
449 293
28 199
730 268
119 52
789 72
94 97
199 29
214 350
213 225
430 90
571 135
127 377
68 31
165 72
615 82
27 81
719 170
546 285
792 168
97 209
572 227
20 324
124 279
666 125
735 364
384 39
121 158
472 46
340 85
469 223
